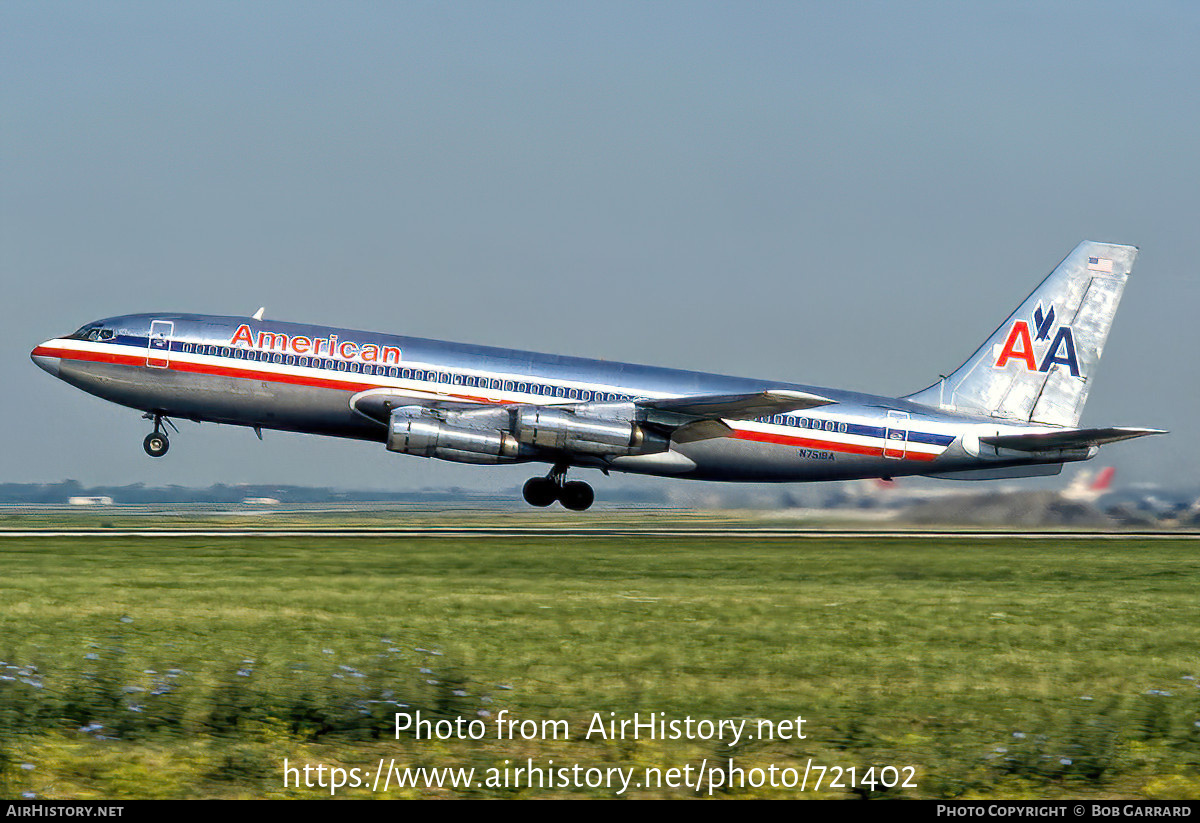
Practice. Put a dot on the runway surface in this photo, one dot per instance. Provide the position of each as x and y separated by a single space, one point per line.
584 531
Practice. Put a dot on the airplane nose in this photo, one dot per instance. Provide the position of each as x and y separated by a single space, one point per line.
44 360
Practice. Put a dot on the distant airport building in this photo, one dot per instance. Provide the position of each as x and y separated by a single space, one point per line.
90 501
260 501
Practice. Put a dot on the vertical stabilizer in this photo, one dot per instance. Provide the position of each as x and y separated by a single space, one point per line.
1038 366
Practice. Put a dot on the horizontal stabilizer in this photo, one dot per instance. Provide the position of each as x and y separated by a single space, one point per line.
738 406
1067 439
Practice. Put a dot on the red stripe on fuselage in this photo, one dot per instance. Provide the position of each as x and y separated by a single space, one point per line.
824 445
325 383
247 374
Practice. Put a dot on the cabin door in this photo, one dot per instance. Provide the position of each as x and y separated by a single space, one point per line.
158 354
895 436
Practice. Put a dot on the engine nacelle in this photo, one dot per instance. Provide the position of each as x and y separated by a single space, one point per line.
425 436
561 430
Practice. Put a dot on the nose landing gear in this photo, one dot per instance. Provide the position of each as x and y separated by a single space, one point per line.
542 491
156 443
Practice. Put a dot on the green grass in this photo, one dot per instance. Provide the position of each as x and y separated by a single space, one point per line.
998 668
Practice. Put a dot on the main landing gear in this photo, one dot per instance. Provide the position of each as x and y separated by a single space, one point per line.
542 491
156 443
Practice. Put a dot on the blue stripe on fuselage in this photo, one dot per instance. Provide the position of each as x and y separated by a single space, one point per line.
805 423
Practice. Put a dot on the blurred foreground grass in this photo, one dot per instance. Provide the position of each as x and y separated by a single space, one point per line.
138 667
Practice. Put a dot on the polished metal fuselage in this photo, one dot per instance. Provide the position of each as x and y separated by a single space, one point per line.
302 378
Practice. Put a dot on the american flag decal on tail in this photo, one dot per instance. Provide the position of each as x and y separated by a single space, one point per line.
1102 264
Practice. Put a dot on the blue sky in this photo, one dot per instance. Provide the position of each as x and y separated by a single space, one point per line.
847 195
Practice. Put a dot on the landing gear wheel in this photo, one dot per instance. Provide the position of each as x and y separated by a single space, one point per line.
540 491
576 496
156 444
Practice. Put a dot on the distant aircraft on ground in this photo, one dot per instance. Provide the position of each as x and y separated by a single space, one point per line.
1009 411
1085 487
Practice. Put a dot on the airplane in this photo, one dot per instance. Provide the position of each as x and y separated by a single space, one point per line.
1010 410
1084 489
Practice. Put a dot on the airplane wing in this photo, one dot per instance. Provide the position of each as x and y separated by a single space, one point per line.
377 404
1066 439
684 419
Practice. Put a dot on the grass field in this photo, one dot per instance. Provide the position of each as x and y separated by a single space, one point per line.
182 667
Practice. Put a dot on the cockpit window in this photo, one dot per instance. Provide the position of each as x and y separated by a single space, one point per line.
83 333
93 332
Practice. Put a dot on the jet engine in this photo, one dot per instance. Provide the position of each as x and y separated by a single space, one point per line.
563 430
414 431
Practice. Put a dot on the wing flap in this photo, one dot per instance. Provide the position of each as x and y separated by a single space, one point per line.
737 406
1066 439
701 430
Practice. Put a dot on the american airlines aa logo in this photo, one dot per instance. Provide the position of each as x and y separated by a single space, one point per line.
1021 342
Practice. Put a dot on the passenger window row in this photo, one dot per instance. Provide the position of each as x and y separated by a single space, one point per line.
424 375
805 423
